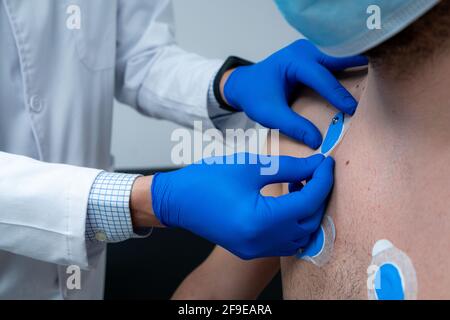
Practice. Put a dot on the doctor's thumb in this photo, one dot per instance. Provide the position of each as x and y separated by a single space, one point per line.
291 169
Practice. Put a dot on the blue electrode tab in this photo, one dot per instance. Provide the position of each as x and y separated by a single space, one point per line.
388 283
319 250
395 277
333 134
315 246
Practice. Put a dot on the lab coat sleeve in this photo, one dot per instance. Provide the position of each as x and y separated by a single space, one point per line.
43 209
153 74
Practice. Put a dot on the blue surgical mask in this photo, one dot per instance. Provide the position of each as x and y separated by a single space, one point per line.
347 27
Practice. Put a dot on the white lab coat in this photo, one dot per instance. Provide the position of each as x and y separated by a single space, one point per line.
124 48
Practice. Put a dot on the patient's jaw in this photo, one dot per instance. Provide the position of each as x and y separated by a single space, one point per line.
392 182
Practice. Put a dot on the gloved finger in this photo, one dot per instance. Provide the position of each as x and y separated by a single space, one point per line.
320 79
302 204
294 126
339 64
311 224
289 250
298 186
291 246
291 169
303 241
295 186
287 253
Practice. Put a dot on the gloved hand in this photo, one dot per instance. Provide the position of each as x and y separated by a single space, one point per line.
223 203
263 90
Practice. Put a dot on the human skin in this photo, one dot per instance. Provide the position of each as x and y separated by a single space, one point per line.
301 279
142 214
223 275
391 182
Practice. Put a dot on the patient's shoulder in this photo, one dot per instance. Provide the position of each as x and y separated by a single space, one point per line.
316 109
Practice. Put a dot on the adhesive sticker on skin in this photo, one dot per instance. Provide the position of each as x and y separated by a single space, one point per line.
336 132
391 274
333 134
390 283
321 245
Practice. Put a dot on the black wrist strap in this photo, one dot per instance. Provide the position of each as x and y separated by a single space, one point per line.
231 63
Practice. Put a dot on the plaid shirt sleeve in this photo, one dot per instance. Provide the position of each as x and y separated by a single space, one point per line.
108 213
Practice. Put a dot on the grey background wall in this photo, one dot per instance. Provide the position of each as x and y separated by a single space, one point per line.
216 29
251 29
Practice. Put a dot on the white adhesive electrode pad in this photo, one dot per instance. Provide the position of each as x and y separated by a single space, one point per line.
391 275
336 131
321 245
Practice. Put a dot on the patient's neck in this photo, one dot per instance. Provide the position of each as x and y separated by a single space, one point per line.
414 107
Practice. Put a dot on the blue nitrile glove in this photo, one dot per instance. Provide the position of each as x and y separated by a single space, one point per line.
223 203
263 90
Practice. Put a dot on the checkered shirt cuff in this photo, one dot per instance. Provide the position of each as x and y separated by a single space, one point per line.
108 213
